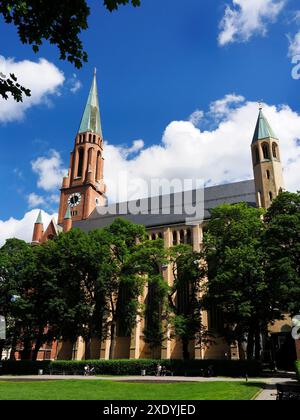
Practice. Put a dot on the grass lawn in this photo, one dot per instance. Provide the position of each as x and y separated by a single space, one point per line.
108 390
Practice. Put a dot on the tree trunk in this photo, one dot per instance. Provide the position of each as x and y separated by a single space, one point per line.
26 352
87 353
250 345
35 352
185 349
112 340
257 344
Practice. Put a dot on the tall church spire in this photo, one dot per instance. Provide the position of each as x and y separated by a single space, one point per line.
263 130
91 120
268 174
84 188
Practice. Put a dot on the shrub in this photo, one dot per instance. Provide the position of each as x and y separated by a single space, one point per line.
231 368
298 369
24 367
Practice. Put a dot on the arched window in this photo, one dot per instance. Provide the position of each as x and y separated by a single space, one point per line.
174 238
80 163
97 174
266 151
275 151
160 235
256 153
153 237
189 237
90 138
182 237
271 196
94 138
268 174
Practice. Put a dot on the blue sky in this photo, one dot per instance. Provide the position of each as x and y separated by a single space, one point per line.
157 64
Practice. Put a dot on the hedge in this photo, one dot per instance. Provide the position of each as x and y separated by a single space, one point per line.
298 369
24 367
134 367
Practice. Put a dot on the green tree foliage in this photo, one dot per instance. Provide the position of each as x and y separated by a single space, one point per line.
58 21
185 296
152 260
236 281
282 250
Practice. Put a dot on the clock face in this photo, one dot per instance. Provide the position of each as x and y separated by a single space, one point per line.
74 200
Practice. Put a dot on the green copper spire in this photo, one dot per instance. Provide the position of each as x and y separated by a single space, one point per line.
68 214
263 129
91 120
39 220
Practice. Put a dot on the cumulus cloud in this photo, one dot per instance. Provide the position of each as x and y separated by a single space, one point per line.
196 117
244 18
23 228
50 171
74 84
217 155
294 45
35 200
43 79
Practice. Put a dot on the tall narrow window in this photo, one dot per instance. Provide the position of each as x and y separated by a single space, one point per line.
268 174
97 174
266 151
275 151
174 238
90 138
80 163
182 237
271 196
94 138
189 237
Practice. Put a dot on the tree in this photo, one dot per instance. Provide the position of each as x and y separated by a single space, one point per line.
152 258
121 277
15 258
282 250
58 21
185 296
236 274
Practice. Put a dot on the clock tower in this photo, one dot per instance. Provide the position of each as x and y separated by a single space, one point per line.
84 189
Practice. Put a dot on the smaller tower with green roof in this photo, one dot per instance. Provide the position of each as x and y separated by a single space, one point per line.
266 159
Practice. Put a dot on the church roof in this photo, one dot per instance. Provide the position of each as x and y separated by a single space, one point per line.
91 121
263 129
212 197
39 220
68 214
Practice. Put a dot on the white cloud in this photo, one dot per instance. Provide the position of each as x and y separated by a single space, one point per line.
42 78
218 155
50 171
245 18
74 84
196 117
223 107
22 229
294 45
35 200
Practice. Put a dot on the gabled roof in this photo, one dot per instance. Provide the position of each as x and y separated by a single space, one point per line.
91 121
263 129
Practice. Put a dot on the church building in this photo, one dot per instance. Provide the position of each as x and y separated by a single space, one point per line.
83 191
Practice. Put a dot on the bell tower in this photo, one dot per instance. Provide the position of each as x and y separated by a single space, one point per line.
268 174
84 189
